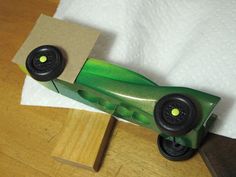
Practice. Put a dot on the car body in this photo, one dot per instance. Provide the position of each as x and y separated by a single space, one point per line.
130 96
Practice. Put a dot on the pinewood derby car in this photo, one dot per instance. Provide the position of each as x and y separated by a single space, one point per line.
181 116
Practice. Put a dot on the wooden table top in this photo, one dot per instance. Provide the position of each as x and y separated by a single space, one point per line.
28 134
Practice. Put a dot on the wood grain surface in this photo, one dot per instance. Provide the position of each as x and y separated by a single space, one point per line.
84 139
28 134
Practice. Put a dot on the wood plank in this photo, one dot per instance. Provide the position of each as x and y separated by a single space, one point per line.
20 169
84 139
219 154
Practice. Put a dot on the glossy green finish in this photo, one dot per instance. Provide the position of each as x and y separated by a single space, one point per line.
132 97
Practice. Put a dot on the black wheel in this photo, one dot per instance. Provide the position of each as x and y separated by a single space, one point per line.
173 151
45 63
175 114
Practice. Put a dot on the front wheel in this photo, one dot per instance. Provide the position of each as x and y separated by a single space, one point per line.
174 151
45 63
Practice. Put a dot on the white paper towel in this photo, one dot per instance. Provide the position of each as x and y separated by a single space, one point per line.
180 43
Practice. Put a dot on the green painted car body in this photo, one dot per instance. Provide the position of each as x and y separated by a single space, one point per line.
132 97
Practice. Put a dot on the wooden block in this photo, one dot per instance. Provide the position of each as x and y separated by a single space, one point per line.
84 139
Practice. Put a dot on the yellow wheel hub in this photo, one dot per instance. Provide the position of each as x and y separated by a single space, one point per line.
175 112
43 59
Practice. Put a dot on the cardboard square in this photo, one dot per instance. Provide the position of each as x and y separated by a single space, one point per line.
74 40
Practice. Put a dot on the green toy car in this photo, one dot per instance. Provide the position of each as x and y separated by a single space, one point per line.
181 116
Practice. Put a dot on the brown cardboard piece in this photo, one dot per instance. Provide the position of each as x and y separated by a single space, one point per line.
74 40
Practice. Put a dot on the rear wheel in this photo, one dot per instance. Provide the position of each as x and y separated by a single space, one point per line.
174 151
175 114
